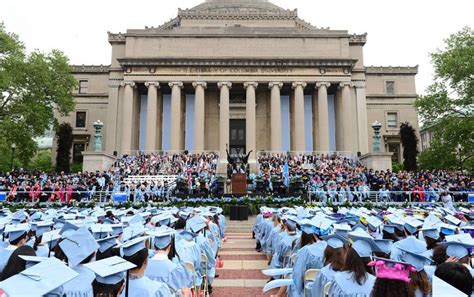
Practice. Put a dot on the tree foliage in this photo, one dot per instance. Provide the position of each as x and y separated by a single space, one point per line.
448 106
65 140
410 146
33 87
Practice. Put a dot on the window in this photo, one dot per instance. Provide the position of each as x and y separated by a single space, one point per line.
392 120
77 150
83 86
395 149
390 87
81 119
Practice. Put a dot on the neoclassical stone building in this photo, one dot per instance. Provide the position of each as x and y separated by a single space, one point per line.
243 73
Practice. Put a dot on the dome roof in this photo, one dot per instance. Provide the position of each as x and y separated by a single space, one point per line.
255 5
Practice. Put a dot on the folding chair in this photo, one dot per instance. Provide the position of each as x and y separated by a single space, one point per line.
190 267
309 276
326 288
205 276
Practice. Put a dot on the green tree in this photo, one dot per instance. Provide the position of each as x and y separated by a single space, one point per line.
410 146
65 139
33 87
42 161
448 106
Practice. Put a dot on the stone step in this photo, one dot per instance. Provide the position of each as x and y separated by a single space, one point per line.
240 292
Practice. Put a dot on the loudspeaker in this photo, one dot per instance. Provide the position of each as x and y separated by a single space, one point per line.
115 153
234 213
359 154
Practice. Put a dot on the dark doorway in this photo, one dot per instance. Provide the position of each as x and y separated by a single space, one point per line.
237 137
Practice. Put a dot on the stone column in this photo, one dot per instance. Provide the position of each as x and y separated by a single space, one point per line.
199 115
347 115
151 115
127 116
275 116
250 124
323 116
175 116
223 124
299 116
362 119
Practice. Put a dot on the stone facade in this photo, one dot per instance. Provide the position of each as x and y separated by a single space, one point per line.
243 73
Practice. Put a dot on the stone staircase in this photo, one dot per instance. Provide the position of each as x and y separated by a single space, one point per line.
241 274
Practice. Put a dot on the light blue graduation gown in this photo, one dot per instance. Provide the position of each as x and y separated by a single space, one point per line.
344 285
175 275
189 251
206 249
325 275
81 286
284 245
42 251
145 287
5 254
309 257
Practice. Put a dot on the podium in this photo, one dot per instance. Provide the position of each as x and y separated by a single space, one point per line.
239 184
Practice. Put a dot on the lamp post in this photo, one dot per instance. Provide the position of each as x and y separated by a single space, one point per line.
98 135
13 146
376 139
459 151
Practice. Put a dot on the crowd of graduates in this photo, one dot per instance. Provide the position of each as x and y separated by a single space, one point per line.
337 177
357 252
23 185
112 252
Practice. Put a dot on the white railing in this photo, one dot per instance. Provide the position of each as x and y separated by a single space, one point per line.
139 179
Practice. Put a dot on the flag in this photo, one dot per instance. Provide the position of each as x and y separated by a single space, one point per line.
286 173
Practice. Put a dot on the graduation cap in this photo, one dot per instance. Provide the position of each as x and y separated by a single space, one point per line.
162 238
453 220
385 245
187 235
133 246
389 229
458 245
43 227
412 224
363 243
100 230
106 243
16 231
32 260
38 280
19 217
67 228
117 229
412 251
342 229
110 271
393 270
431 233
335 241
196 224
447 229
78 246
132 231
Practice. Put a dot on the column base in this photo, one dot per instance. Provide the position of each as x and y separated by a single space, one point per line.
377 161
97 161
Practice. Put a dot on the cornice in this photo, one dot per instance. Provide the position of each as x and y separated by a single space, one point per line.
90 68
232 62
358 39
387 96
116 37
391 69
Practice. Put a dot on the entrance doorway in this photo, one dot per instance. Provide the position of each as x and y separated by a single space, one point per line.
237 137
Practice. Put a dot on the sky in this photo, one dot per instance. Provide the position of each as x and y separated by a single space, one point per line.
400 33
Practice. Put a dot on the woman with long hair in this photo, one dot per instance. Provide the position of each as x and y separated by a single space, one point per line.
392 278
412 251
356 277
334 258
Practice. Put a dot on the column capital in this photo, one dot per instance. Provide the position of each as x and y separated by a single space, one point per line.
250 84
322 84
178 84
299 84
203 84
275 84
346 84
128 83
224 83
152 83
